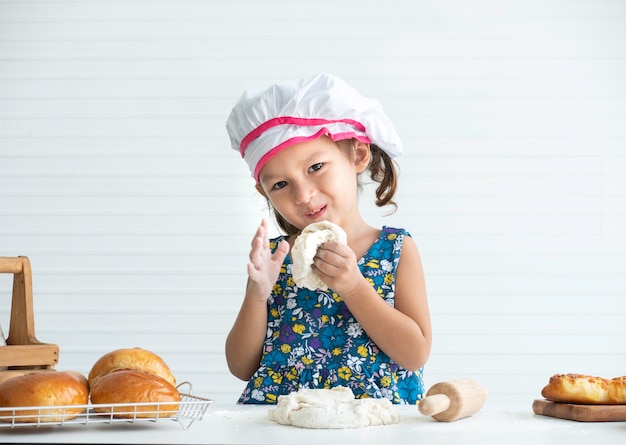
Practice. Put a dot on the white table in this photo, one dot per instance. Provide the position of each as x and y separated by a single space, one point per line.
233 424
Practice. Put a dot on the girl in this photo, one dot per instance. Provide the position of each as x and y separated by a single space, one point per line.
306 143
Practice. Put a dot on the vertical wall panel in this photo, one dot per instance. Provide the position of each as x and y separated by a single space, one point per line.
117 180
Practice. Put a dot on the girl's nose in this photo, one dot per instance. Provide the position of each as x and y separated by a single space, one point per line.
303 192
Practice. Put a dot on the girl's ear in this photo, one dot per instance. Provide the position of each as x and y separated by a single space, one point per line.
362 155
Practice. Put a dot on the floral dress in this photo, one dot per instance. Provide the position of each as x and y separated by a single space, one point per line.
313 341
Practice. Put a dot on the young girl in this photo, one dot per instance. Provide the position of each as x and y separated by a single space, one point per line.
306 143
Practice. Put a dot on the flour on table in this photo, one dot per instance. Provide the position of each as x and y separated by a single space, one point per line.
332 408
304 250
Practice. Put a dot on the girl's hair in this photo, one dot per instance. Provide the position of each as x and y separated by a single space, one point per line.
382 170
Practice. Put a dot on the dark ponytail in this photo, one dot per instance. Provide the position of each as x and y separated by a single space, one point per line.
383 170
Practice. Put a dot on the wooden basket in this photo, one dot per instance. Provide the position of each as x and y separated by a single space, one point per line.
23 351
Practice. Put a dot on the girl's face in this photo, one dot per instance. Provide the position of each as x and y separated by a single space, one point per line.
314 181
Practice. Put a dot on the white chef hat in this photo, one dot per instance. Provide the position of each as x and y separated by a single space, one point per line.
264 122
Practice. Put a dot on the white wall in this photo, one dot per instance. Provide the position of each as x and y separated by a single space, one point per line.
117 180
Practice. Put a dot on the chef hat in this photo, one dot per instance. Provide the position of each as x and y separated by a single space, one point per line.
264 122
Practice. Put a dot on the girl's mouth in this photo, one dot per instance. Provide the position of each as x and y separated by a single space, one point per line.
316 213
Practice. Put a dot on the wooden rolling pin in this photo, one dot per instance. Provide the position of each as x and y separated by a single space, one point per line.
453 400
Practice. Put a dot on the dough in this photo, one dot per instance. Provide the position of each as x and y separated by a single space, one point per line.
332 408
585 389
305 247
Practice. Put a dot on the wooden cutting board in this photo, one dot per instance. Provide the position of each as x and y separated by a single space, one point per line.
581 413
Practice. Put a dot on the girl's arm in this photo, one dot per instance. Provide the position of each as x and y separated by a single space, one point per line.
403 332
244 344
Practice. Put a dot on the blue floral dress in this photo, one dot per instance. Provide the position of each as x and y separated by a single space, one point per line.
313 341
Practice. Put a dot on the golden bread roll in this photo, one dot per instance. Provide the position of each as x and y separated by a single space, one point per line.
43 389
80 377
585 389
134 386
10 373
6 375
130 358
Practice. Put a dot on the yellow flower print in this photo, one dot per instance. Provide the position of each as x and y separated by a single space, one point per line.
277 289
293 373
336 352
362 351
344 373
283 268
385 381
276 378
291 281
388 278
392 236
258 381
298 328
373 264
270 398
274 312
325 318
307 360
285 349
370 281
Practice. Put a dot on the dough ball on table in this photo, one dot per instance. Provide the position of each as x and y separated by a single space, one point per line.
135 387
130 358
43 389
304 250
331 409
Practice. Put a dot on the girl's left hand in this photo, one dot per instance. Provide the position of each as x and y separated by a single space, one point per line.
336 265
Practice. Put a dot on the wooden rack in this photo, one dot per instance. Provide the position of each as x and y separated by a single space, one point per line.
23 350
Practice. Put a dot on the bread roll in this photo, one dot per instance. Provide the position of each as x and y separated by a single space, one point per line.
6 375
585 389
130 358
46 388
134 386
80 377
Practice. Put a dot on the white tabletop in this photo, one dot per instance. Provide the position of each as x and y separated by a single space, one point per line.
233 424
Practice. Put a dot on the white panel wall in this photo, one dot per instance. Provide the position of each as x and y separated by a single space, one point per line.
117 180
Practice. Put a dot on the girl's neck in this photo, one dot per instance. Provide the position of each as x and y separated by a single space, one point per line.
361 238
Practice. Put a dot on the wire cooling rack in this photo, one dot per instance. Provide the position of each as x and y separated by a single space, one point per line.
185 412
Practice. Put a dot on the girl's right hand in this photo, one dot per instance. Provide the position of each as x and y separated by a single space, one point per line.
264 266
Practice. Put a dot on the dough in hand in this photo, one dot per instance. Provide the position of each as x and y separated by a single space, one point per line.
332 408
305 247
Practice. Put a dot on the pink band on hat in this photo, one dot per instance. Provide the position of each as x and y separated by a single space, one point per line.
296 140
290 120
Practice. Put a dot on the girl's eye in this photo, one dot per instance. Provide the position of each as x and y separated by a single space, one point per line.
315 167
279 185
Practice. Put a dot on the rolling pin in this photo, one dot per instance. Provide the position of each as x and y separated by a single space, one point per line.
453 400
